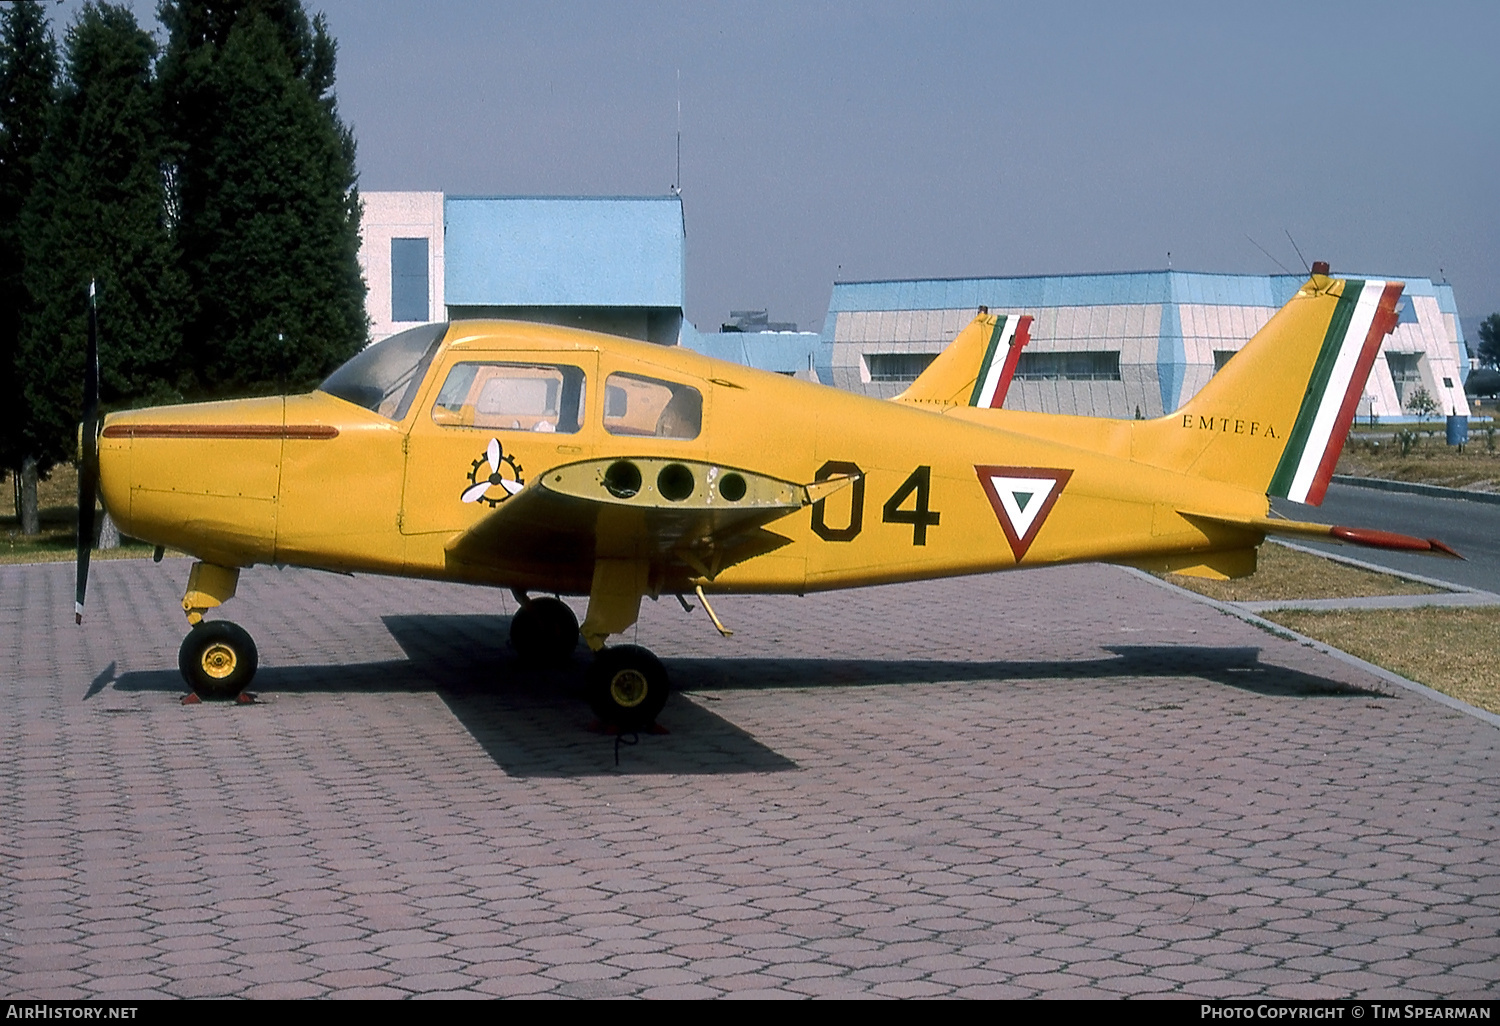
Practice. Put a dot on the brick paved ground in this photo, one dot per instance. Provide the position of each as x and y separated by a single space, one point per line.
1059 783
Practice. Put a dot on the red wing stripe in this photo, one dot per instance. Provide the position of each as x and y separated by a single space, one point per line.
1383 324
243 431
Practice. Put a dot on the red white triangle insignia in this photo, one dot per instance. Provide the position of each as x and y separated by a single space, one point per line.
1022 497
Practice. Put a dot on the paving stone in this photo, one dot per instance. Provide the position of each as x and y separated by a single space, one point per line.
1122 792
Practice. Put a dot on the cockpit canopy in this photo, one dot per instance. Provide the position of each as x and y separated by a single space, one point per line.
386 376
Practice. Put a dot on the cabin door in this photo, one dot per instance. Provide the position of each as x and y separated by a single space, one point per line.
496 421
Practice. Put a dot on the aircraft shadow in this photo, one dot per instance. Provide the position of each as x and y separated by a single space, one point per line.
533 722
1234 667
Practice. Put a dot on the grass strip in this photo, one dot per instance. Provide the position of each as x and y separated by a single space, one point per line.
1452 650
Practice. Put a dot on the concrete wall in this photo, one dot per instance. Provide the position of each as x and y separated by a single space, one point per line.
399 215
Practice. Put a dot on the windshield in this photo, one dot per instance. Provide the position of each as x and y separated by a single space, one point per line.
384 378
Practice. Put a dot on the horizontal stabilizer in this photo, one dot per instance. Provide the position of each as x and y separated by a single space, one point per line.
1367 537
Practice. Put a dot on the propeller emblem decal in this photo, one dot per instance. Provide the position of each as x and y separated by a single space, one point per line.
500 480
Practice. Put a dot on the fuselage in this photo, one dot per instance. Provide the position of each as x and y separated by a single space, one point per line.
321 481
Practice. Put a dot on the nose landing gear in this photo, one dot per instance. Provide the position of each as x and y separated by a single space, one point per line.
217 659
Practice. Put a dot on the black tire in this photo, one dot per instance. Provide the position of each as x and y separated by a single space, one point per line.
217 659
627 687
544 630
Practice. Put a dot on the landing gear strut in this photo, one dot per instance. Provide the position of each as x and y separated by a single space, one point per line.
627 687
544 630
217 659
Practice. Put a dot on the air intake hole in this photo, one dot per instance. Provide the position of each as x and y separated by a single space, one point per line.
732 487
623 479
675 482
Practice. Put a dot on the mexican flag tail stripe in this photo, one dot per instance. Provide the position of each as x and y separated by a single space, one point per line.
1018 340
1382 325
989 371
1333 389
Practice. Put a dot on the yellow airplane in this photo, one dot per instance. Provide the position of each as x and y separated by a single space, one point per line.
550 460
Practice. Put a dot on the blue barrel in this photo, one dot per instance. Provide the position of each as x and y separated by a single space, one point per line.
1458 429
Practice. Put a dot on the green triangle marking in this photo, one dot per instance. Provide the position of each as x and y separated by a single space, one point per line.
1022 498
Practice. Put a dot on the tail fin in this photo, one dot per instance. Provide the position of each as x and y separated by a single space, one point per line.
1276 416
976 368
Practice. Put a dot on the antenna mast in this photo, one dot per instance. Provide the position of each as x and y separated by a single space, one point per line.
1298 249
677 181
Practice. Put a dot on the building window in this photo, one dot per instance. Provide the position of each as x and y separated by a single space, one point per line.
409 279
1103 366
1221 357
1406 373
897 366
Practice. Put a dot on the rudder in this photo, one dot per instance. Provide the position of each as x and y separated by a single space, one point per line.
976 368
1276 416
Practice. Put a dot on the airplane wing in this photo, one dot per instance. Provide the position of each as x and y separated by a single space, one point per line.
692 519
1327 532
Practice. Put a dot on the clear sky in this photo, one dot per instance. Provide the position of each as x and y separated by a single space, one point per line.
825 142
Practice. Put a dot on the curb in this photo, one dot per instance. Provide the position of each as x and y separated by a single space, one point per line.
1344 657
1435 491
1449 600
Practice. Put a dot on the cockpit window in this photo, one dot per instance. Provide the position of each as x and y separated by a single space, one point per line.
512 397
385 377
638 405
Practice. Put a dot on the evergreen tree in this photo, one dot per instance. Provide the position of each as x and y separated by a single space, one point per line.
96 213
265 185
1489 340
28 74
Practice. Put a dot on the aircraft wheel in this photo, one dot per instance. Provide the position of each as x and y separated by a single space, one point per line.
544 630
627 687
217 659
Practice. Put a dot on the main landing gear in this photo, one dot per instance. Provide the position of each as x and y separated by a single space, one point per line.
627 687
544 630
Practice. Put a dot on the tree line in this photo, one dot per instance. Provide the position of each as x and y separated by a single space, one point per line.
206 184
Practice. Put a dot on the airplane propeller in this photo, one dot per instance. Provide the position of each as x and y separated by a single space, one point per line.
88 471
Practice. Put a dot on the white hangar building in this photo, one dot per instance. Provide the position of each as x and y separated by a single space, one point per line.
1122 345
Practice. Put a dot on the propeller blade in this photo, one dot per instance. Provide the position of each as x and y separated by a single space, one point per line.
88 470
476 492
511 486
493 454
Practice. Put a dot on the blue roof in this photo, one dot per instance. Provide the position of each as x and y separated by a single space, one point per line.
1131 287
563 251
786 352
